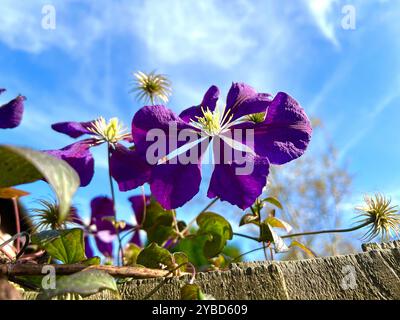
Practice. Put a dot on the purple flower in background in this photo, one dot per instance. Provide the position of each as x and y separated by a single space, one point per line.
280 132
78 154
102 228
139 204
11 112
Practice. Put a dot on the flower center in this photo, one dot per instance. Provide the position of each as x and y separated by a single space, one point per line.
110 132
209 123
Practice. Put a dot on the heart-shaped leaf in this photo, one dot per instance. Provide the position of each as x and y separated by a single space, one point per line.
155 257
159 223
64 245
218 230
22 165
84 283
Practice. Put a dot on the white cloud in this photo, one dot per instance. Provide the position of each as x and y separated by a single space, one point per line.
178 31
321 10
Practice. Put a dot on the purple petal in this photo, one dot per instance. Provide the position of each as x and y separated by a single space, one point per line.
72 128
138 206
175 184
79 157
88 248
136 239
230 183
2 90
11 113
159 117
128 168
104 243
285 133
244 100
209 101
102 207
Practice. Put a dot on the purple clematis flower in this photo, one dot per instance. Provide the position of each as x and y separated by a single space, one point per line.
101 227
79 156
139 204
271 131
11 112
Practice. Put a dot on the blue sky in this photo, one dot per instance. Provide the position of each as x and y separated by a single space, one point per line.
83 69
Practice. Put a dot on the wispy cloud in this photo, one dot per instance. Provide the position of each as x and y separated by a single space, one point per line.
322 11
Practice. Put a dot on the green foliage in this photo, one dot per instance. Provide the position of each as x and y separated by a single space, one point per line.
155 257
274 201
22 165
159 223
130 254
218 231
193 292
64 245
268 234
83 283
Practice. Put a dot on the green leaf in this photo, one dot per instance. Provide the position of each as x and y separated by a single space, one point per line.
180 258
218 230
268 234
274 202
248 218
193 292
159 223
84 283
94 261
22 165
64 245
278 223
302 247
155 257
130 254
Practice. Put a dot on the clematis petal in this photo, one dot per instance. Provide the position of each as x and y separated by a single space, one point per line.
209 101
175 184
102 208
243 100
72 128
105 247
177 180
79 157
138 206
285 133
136 239
11 113
238 181
149 121
88 248
128 168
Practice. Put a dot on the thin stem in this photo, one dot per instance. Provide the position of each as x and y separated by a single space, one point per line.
307 233
298 235
326 231
17 220
246 236
202 211
144 207
120 251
